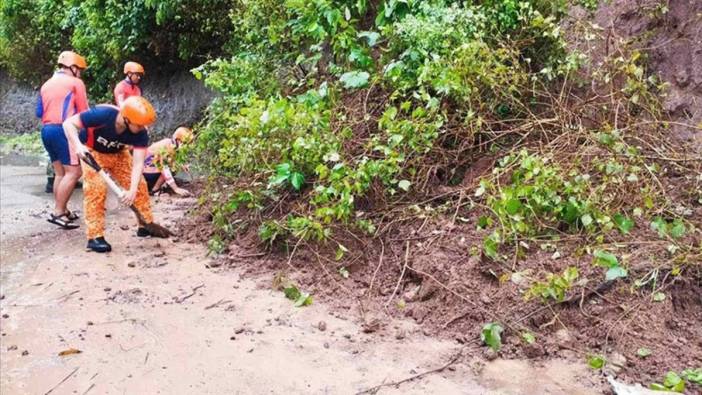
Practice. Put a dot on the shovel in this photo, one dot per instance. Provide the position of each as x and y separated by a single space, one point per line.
154 229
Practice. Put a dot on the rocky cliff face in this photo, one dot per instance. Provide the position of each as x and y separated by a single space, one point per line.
179 100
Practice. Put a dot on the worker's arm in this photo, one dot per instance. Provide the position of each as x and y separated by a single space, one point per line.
119 94
40 107
138 157
172 183
70 128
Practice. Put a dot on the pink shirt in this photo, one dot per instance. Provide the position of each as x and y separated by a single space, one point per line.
61 97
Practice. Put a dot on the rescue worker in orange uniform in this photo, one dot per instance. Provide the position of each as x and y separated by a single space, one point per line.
62 96
158 157
129 86
107 132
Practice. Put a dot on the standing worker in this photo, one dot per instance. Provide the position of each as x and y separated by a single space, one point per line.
108 132
129 86
62 96
158 157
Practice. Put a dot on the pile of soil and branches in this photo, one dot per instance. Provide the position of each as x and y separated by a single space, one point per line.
574 228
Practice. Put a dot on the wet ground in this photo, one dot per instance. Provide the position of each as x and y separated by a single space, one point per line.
152 317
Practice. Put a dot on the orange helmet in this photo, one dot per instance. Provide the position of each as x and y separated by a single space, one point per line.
183 135
133 67
138 111
70 58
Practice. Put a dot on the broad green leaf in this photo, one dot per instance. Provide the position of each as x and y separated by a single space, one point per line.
674 382
605 259
659 225
623 223
586 220
615 273
278 179
291 292
343 272
643 352
658 297
340 251
404 185
693 375
513 206
371 37
490 247
596 361
297 179
491 335
354 79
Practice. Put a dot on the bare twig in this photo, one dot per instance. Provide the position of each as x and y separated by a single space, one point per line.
62 381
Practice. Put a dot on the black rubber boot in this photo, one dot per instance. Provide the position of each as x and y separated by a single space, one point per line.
99 244
49 185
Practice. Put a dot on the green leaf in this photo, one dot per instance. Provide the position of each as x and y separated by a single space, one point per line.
354 79
615 273
371 37
605 259
404 185
490 247
693 375
659 225
528 337
491 335
297 179
513 206
340 251
678 229
596 361
658 297
674 382
291 292
657 387
623 223
643 352
586 220
303 300
343 272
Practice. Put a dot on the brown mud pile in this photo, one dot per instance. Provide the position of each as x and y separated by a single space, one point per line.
426 264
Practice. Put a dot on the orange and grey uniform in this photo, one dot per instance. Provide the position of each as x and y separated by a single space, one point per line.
110 149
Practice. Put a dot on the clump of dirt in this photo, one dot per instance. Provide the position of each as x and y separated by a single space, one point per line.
670 33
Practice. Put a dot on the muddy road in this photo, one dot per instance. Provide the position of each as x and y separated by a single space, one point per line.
152 317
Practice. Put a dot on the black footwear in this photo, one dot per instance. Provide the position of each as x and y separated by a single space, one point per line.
143 232
62 221
72 216
49 188
99 244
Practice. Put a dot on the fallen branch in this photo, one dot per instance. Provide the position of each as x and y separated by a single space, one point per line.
181 300
375 389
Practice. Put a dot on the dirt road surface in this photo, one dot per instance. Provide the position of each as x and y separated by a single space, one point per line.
151 317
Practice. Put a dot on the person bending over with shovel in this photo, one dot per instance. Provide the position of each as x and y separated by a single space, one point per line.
106 134
158 157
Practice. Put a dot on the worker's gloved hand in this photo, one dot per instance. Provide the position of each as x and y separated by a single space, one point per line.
128 197
181 192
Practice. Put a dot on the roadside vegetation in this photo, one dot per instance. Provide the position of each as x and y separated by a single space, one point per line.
404 143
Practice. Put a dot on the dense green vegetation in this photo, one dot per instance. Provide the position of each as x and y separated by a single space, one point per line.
163 35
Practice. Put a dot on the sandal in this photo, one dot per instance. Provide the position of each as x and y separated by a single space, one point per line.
60 221
71 216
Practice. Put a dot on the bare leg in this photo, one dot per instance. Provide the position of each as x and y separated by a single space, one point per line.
59 173
65 187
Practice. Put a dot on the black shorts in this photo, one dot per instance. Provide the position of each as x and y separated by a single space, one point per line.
151 179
